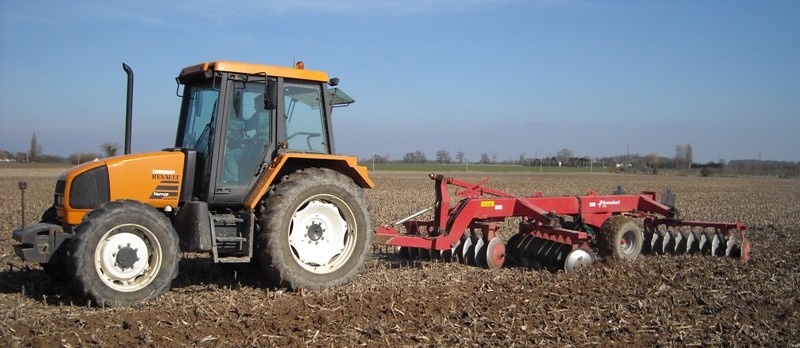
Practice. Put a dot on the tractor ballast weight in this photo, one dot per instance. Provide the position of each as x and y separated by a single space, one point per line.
556 233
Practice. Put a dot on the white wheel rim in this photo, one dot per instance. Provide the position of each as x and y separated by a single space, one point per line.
128 257
322 234
577 258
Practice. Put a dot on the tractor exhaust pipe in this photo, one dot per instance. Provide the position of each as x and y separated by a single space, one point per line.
128 108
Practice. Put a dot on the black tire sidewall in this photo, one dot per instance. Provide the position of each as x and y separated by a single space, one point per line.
81 255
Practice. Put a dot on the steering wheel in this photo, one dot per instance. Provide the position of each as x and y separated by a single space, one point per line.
308 139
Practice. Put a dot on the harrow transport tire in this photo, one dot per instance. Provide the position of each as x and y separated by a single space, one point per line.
622 238
314 230
124 252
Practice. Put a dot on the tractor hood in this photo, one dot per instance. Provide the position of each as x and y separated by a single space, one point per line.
153 178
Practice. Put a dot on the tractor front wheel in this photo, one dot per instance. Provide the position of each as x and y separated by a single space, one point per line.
124 252
314 230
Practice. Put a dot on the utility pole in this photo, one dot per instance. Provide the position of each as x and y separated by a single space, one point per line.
629 153
677 150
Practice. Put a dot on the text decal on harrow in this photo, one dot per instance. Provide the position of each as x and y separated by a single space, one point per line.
604 203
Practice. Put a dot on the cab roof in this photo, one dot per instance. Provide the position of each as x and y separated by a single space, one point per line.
254 69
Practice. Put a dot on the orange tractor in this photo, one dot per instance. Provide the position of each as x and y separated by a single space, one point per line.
252 176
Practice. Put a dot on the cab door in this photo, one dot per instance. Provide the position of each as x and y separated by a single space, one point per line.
245 140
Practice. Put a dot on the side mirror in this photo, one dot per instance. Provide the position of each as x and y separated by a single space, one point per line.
334 82
271 95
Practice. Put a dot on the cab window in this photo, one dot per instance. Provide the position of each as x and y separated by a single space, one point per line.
305 118
246 134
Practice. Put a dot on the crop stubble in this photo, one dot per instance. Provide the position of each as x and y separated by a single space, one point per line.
684 301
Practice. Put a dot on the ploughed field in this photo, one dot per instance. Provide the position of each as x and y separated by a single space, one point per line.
655 300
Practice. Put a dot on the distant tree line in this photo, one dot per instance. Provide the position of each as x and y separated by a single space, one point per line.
682 161
36 154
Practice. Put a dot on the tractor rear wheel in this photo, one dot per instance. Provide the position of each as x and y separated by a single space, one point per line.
622 238
124 252
314 230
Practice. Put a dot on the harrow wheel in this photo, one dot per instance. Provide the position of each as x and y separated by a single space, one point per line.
623 238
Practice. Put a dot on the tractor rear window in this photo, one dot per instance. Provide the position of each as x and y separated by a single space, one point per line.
305 124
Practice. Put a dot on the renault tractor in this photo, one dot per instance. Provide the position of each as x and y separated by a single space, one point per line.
252 177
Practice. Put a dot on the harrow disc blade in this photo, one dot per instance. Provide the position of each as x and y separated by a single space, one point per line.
446 255
657 247
692 243
578 258
667 243
717 244
680 244
458 250
468 254
731 245
511 248
522 252
466 244
704 246
558 257
647 243
550 257
495 253
404 253
480 253
424 254
534 252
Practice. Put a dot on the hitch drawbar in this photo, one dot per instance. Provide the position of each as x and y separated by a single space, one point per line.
556 233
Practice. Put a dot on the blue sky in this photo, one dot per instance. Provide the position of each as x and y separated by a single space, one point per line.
504 77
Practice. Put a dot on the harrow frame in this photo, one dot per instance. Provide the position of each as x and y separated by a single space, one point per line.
569 222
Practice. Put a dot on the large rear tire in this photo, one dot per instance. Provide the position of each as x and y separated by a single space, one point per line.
314 230
124 252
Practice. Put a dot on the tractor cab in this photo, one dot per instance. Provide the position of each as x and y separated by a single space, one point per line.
238 117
